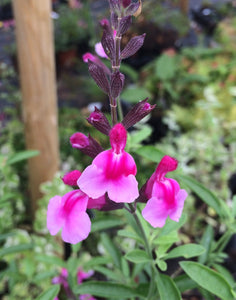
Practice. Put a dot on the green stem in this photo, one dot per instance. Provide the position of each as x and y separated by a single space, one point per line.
149 251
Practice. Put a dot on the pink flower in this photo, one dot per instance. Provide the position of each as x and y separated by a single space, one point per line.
69 213
112 171
82 275
165 198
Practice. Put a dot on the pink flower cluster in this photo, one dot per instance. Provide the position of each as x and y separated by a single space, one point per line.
108 183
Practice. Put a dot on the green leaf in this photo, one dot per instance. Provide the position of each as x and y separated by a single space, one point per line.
172 225
206 195
108 290
172 237
150 153
16 249
134 93
110 274
137 256
96 261
224 272
105 223
137 136
184 283
187 251
206 242
167 288
112 250
52 260
22 155
208 279
166 67
51 293
130 235
161 264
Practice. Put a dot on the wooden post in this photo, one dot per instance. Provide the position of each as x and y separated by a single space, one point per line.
184 6
34 35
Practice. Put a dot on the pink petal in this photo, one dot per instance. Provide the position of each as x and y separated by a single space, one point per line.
76 228
100 51
155 212
92 182
176 212
55 219
124 189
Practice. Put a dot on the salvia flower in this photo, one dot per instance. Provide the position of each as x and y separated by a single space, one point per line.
112 171
165 198
69 214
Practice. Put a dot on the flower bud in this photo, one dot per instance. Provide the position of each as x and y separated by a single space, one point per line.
71 178
117 83
99 76
87 145
137 113
133 46
99 121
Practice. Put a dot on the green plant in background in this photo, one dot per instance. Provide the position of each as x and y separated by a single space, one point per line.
73 26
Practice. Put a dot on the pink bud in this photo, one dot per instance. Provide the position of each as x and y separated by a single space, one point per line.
99 121
79 140
71 178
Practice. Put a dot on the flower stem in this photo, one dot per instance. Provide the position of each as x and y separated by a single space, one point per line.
149 251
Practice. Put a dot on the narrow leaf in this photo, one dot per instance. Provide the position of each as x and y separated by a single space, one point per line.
206 242
151 153
184 283
208 279
108 290
106 223
137 256
187 251
16 249
112 250
167 288
53 260
51 293
206 195
22 155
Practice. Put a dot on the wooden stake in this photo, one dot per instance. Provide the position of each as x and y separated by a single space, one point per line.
184 6
34 35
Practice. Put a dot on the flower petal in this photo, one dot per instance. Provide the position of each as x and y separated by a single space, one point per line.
92 182
124 189
76 228
55 219
176 212
155 212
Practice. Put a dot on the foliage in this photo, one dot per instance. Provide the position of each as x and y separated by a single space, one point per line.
71 27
